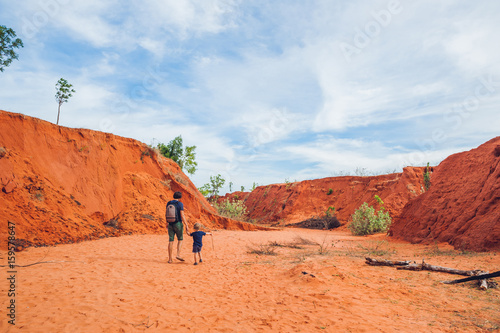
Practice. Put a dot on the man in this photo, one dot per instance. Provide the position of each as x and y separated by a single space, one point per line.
176 228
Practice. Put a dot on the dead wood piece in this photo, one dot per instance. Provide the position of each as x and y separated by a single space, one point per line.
411 267
477 277
483 284
426 267
383 262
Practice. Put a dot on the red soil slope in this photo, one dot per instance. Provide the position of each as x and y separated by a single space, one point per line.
60 185
295 202
462 206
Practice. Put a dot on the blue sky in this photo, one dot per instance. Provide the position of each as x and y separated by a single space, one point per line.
268 91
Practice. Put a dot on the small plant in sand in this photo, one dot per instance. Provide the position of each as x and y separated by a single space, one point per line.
288 245
263 249
366 222
325 246
330 191
299 240
376 248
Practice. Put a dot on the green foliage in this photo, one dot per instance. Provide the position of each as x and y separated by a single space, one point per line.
330 211
235 209
243 189
64 90
211 190
145 153
187 161
427 177
380 202
330 191
8 42
184 157
205 190
230 186
366 222
254 186
266 192
172 150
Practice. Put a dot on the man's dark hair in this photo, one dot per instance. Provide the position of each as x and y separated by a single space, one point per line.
177 195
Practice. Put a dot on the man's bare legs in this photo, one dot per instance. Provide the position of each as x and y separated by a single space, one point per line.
171 250
179 247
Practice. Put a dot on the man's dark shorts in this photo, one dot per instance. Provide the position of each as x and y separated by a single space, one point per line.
175 229
196 248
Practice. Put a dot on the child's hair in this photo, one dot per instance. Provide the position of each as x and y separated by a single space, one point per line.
197 226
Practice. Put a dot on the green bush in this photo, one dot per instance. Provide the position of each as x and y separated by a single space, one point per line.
235 209
330 191
366 222
427 177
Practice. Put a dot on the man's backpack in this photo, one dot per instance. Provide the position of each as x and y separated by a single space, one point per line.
171 215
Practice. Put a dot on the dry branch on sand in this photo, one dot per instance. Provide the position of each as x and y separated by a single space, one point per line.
408 265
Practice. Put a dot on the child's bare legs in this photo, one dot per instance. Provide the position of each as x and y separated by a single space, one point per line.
199 256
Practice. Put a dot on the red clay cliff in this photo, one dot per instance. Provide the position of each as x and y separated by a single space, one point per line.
462 206
295 202
62 185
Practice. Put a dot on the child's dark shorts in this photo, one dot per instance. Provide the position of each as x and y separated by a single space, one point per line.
196 248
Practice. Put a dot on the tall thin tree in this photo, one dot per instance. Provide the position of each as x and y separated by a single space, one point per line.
64 92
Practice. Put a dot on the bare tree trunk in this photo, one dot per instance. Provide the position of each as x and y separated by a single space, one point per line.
58 112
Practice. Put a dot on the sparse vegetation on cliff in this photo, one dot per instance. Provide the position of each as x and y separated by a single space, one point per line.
427 177
183 156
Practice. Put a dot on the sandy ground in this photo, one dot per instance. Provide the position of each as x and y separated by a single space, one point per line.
126 285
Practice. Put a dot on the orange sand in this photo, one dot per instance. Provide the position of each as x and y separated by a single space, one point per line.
125 285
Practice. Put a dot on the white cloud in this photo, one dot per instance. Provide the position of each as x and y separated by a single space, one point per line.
263 88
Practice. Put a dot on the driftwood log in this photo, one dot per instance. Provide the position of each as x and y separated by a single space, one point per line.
383 262
408 265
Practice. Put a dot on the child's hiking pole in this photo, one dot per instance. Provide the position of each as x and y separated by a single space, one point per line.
213 246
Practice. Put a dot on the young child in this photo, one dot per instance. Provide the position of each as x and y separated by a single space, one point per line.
197 241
